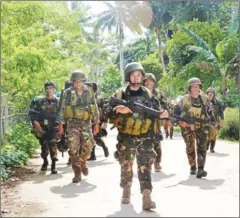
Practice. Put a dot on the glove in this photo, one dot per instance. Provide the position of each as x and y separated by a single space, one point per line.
37 126
60 129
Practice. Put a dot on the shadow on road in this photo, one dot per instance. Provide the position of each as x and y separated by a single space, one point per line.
127 210
72 190
205 184
41 177
97 163
216 154
157 176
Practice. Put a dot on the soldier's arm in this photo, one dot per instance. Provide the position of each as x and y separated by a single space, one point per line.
33 106
221 110
95 111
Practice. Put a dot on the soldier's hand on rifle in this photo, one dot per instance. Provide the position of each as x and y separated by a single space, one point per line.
183 124
122 109
95 129
104 126
164 114
37 126
60 129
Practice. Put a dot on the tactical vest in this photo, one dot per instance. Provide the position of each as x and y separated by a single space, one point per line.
214 105
79 106
194 110
134 124
45 105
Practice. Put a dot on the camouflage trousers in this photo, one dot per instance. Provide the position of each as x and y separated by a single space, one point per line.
48 143
158 150
168 127
127 148
80 143
212 137
198 136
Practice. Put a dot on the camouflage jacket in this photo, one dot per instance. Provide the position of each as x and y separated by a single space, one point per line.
85 102
161 98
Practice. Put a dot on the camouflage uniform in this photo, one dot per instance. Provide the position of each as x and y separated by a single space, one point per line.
48 138
78 112
168 124
161 103
199 108
135 137
103 132
218 110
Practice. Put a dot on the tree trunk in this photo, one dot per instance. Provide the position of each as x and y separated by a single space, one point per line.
121 54
160 52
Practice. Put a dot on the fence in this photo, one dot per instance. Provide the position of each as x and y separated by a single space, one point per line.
10 117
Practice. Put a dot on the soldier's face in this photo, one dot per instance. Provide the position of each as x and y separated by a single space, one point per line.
210 95
77 84
149 83
195 90
136 77
49 90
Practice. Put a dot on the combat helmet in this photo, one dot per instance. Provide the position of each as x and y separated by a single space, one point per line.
150 76
211 90
78 75
194 81
133 66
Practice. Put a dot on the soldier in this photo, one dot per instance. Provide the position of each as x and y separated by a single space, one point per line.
47 129
103 132
79 111
149 82
217 108
195 105
168 123
135 133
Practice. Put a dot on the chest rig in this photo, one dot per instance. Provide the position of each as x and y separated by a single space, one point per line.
134 123
78 106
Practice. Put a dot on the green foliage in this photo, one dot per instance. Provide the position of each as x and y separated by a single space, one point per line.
111 80
23 140
19 146
151 65
230 128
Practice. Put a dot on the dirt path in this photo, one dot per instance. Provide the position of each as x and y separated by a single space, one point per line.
175 192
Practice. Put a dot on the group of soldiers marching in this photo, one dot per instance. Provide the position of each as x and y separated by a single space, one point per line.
78 120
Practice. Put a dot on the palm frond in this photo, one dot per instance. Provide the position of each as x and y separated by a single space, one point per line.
233 27
197 39
205 52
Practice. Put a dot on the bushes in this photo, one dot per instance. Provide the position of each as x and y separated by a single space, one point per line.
20 145
230 130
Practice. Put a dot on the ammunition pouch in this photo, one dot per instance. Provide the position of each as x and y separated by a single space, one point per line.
76 113
132 126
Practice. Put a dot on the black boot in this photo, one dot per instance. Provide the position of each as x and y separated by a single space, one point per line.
212 146
105 150
193 170
45 164
93 155
53 167
201 173
167 135
171 133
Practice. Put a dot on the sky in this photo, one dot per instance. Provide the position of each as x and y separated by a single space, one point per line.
98 7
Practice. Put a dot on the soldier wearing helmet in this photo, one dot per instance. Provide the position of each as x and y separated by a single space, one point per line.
195 105
218 110
80 112
168 123
149 82
134 135
46 128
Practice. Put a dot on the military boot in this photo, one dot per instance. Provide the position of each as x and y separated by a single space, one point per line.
84 168
77 174
45 164
126 195
166 135
147 202
201 173
193 170
157 167
212 146
93 155
53 166
105 150
171 133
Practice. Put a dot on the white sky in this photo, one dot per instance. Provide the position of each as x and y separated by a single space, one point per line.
98 7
